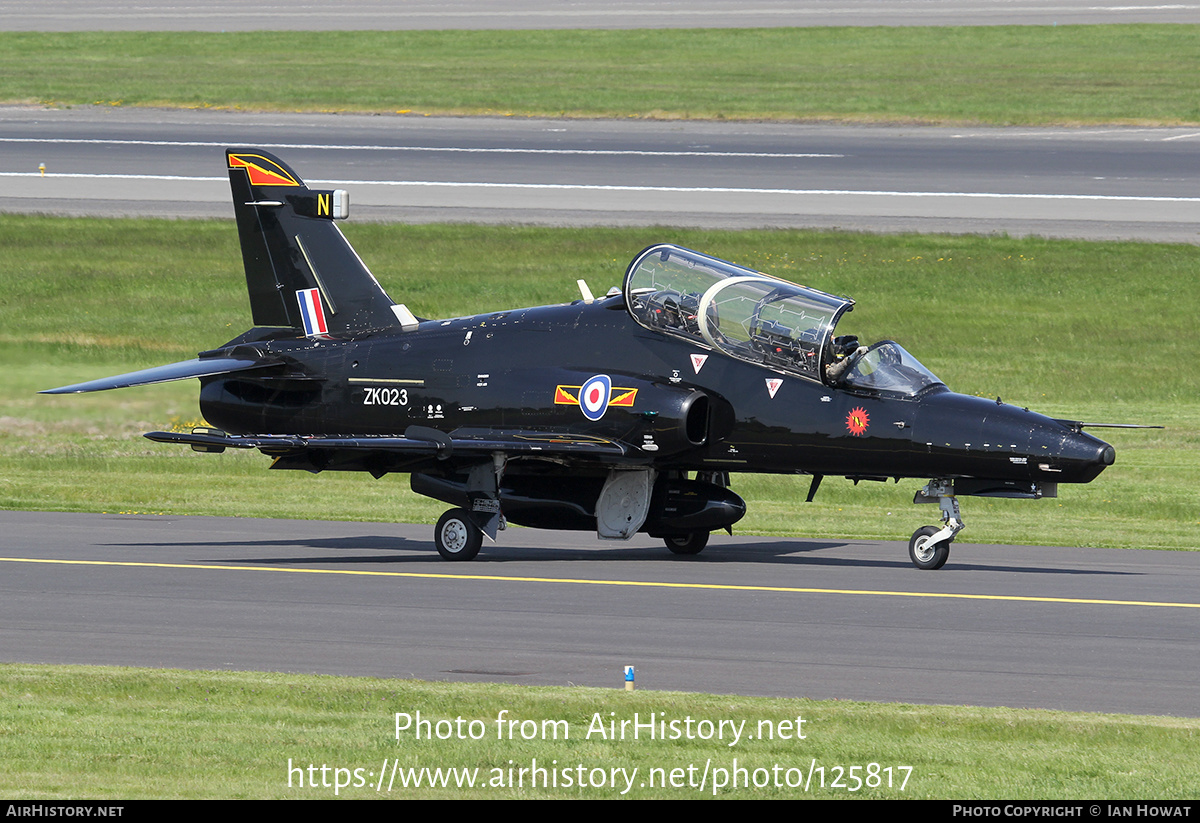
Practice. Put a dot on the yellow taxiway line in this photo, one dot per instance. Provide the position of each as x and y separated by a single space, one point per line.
601 582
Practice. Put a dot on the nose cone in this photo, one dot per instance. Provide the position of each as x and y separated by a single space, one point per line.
976 437
1055 450
1076 456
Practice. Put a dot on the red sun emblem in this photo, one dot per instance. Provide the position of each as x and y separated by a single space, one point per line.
857 421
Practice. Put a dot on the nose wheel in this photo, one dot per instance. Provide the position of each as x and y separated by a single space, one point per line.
924 552
929 547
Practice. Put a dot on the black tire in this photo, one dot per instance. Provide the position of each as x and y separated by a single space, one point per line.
925 555
456 537
690 543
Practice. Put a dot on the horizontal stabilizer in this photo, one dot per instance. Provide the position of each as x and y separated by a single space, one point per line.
207 367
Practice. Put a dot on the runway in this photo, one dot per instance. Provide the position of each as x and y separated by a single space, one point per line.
1073 629
231 15
1126 183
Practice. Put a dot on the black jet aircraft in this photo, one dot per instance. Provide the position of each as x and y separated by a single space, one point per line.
620 414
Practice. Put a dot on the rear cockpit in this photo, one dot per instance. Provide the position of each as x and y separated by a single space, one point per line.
744 313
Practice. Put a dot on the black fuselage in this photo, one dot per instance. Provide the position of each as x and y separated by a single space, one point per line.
522 369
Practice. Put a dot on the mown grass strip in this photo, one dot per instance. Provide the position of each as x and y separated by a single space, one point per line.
77 731
1140 74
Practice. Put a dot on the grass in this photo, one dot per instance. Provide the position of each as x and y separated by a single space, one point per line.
996 75
111 733
1094 331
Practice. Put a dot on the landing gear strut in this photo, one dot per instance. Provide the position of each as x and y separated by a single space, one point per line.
929 547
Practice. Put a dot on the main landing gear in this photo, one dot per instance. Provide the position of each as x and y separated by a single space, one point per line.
929 547
456 537
459 532
690 543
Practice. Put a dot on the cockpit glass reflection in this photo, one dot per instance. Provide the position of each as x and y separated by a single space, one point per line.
887 367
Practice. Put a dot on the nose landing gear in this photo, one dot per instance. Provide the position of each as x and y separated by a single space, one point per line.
929 547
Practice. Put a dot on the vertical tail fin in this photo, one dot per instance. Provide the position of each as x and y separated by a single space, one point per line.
300 270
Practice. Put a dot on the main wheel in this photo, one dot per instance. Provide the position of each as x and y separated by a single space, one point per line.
927 555
456 537
690 543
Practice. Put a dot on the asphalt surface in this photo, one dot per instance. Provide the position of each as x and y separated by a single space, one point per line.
234 15
1128 183
1073 629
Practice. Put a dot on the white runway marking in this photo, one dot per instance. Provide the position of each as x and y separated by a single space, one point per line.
620 188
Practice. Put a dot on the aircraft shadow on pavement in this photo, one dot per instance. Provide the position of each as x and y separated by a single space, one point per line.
790 552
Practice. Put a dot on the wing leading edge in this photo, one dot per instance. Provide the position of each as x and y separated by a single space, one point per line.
416 440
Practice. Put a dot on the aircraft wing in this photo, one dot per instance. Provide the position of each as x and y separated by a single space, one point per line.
416 440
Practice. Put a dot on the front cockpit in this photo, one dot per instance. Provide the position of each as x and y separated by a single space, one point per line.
887 369
764 320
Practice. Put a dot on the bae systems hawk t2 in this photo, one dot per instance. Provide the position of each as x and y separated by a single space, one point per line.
620 414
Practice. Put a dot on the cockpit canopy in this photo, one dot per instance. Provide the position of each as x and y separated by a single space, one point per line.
886 368
761 319
741 312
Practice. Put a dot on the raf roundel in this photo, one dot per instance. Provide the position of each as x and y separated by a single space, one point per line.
593 396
